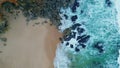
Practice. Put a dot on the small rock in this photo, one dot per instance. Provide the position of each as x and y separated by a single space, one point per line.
77 49
80 30
74 18
99 46
108 2
83 45
71 45
75 5
66 17
67 43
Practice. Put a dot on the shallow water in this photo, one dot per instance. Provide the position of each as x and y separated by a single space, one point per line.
95 47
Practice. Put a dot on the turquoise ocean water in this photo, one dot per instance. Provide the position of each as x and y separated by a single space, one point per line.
94 40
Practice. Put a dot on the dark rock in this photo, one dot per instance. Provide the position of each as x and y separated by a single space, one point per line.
73 18
84 39
75 26
83 45
80 30
67 43
77 49
73 34
79 37
99 46
58 24
81 11
101 50
71 45
75 5
66 17
108 3
67 38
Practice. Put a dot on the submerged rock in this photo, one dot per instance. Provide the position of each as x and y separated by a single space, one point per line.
108 3
77 49
99 46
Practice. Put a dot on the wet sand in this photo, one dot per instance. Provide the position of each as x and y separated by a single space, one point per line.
29 46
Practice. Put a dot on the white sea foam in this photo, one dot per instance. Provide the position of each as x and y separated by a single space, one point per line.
119 59
66 23
117 4
61 60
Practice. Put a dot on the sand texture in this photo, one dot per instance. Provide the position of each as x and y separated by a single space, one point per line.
29 45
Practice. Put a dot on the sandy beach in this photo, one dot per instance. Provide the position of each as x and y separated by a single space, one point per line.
30 45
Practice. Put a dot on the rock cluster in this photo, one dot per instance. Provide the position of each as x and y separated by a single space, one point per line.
76 38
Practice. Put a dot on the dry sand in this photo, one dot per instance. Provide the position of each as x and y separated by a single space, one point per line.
29 46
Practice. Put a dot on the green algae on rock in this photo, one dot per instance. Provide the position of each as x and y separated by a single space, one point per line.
32 9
